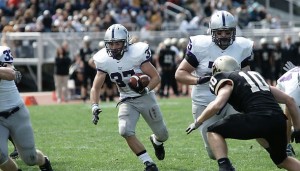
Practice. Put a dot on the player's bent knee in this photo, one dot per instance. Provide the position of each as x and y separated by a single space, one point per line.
30 161
163 135
29 158
125 133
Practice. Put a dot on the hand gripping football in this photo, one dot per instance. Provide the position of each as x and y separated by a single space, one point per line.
139 81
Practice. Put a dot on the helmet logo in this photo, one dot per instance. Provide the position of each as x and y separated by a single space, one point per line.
223 19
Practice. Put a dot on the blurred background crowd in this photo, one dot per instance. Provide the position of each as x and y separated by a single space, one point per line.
86 16
98 15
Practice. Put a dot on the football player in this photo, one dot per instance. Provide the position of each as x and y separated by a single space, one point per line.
260 116
201 52
15 119
120 60
290 84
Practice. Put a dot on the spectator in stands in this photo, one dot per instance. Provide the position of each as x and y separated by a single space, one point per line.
47 21
289 51
76 73
89 72
61 73
265 54
277 52
167 62
297 44
108 20
141 19
243 16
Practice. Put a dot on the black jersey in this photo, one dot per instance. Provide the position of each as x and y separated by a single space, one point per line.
250 92
167 58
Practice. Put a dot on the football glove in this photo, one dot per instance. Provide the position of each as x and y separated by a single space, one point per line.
295 136
95 111
192 127
18 76
288 66
144 91
204 79
2 64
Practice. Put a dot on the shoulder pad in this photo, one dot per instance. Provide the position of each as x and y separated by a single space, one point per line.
201 40
100 55
244 43
139 46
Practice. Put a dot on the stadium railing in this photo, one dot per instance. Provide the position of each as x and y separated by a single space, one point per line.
34 50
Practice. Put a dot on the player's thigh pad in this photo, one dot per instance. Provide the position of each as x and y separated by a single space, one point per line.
152 114
21 129
128 117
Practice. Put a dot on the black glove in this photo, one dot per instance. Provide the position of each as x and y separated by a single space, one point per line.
192 127
295 136
2 64
95 111
204 79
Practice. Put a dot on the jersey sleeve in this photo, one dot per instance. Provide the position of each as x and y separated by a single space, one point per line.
217 81
99 59
140 52
195 49
247 46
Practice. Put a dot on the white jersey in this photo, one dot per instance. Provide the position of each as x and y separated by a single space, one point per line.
9 93
120 71
205 52
290 84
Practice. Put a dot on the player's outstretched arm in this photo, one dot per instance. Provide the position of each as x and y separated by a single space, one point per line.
184 74
95 95
290 103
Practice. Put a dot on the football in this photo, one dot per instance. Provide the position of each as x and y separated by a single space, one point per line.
139 81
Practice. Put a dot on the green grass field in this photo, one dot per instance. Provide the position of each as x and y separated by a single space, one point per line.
66 134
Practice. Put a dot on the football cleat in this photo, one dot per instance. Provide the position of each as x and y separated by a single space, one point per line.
46 166
231 168
14 154
159 149
150 166
290 150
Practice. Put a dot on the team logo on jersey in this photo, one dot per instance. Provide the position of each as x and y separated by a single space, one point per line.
119 68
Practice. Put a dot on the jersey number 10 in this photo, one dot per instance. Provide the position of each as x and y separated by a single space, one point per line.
256 81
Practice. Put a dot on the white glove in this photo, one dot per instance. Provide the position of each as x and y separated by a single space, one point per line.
288 66
192 127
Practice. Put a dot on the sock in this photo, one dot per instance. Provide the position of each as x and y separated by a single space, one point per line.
144 156
155 140
224 162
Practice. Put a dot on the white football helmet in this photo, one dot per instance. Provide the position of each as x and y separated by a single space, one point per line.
225 64
116 33
222 20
